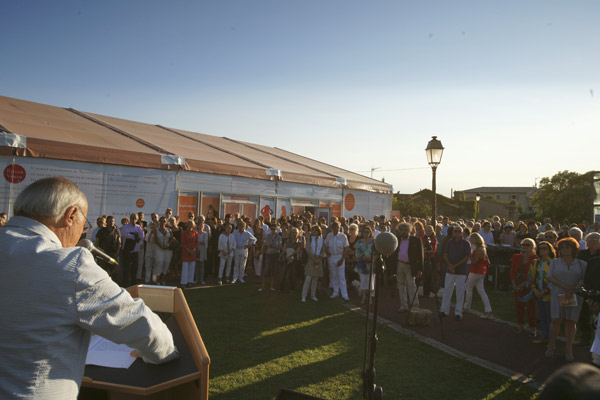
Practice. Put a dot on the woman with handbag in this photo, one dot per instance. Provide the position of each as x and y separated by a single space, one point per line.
163 253
313 269
524 299
364 255
541 287
189 247
477 272
292 251
566 274
202 250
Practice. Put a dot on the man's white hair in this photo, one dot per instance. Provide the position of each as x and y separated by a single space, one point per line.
575 232
592 236
49 198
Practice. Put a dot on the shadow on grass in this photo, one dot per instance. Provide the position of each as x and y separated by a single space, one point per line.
298 378
261 342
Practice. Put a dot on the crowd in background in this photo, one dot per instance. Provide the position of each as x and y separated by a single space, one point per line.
329 257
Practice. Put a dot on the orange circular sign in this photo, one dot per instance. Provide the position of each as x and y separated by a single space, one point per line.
140 203
14 173
349 202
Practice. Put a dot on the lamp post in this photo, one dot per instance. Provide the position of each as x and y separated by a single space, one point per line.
434 153
477 198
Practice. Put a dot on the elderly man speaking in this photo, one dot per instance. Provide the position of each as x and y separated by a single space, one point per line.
54 295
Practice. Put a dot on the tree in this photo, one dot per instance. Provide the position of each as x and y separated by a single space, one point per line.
565 196
408 206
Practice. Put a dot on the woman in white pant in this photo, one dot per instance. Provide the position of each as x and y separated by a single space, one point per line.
364 254
226 249
314 264
163 253
477 272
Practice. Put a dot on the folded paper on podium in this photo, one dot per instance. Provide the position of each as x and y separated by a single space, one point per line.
183 378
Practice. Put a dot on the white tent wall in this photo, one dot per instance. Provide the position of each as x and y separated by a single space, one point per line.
110 189
118 190
366 204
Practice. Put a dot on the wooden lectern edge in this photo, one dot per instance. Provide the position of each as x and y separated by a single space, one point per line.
144 391
185 319
183 314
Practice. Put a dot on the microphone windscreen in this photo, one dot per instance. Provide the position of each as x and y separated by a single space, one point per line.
86 244
386 243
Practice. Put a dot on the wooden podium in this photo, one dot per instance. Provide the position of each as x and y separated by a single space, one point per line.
183 378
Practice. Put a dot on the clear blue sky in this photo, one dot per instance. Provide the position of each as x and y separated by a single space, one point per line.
511 88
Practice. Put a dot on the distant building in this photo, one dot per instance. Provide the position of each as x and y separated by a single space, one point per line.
504 201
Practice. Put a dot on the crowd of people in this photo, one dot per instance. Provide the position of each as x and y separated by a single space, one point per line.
327 257
549 269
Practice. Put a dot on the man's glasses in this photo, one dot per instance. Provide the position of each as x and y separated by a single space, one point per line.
87 226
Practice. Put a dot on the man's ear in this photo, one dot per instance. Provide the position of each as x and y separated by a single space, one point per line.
70 216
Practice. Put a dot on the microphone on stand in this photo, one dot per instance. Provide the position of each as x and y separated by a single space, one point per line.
385 243
96 252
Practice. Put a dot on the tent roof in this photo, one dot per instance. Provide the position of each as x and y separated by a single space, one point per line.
68 134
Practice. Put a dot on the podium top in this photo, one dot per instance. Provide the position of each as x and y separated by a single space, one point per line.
144 376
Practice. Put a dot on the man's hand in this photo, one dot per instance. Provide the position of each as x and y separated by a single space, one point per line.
419 274
340 262
135 354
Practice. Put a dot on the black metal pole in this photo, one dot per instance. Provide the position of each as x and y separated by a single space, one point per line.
434 200
370 390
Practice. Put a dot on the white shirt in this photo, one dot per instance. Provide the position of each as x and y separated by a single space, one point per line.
226 242
335 244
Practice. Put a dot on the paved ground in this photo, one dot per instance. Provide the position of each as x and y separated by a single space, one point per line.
491 340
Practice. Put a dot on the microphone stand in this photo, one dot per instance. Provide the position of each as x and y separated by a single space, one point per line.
370 390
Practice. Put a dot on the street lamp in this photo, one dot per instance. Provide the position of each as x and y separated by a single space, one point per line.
477 198
434 153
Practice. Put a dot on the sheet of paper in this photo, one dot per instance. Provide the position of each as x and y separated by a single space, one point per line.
105 353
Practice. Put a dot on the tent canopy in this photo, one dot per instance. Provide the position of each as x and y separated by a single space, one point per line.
69 134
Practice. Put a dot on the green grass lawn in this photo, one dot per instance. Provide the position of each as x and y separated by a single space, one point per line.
261 342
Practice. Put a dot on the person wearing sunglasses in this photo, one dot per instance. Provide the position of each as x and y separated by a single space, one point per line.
524 299
541 286
566 274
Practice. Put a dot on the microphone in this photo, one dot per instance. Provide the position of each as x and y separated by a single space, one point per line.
386 243
96 252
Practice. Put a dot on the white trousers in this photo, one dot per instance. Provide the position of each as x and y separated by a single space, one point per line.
476 280
225 260
460 282
240 258
258 264
187 271
162 259
310 281
407 288
149 263
337 276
